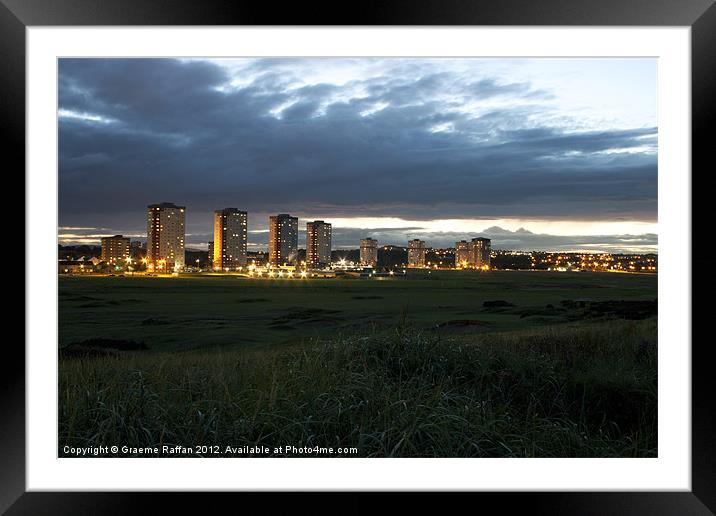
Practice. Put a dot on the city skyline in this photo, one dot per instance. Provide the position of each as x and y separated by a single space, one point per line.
542 154
349 238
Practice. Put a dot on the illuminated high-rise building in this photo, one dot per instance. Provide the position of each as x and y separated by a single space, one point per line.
165 237
318 244
115 248
230 238
210 254
283 239
480 249
416 253
368 252
462 253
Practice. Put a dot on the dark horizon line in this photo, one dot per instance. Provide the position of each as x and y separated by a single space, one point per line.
380 247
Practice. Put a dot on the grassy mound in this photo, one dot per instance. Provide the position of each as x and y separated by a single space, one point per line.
582 391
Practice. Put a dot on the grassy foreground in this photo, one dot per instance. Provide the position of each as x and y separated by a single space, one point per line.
588 390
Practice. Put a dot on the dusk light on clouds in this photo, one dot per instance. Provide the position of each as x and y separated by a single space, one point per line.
533 153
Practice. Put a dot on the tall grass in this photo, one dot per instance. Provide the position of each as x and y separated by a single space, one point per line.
586 391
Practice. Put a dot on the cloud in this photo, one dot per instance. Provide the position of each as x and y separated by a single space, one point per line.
519 240
415 139
349 238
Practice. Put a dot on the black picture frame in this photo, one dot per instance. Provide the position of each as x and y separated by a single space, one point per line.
700 15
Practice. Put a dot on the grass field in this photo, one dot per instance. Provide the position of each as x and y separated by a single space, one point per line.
398 368
205 311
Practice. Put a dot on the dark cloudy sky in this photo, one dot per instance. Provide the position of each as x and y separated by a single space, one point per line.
534 153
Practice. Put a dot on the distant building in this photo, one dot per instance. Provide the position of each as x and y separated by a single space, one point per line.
368 252
210 254
165 237
230 237
72 266
318 244
416 253
115 248
283 239
480 249
462 253
137 249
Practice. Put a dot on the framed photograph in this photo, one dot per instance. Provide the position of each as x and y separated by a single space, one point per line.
427 248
